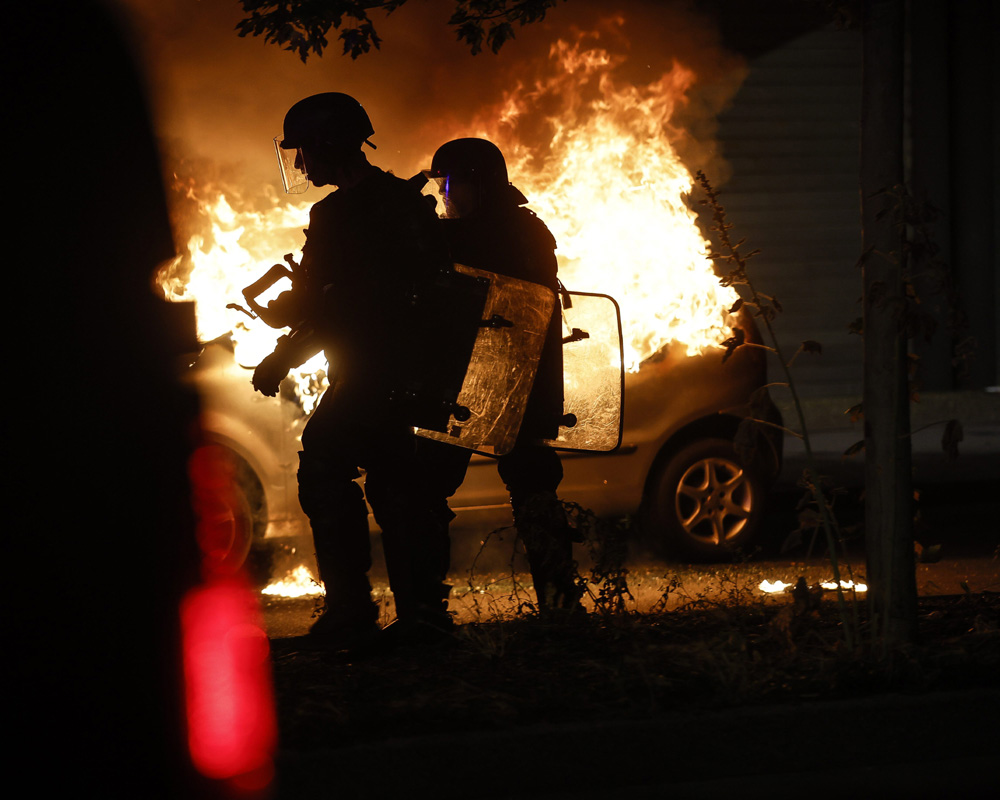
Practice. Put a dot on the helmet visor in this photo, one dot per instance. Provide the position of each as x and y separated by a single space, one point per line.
293 174
435 188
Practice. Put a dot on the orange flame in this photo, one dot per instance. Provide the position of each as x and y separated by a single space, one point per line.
297 583
611 187
241 246
606 179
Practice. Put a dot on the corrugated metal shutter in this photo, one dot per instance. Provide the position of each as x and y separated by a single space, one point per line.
791 138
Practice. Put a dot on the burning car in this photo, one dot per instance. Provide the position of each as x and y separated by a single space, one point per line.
597 160
677 469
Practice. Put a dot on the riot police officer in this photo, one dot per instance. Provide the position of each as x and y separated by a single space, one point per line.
487 227
368 244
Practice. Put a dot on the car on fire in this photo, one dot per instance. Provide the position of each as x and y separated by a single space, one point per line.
678 471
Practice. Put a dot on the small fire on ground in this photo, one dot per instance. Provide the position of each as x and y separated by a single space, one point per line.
298 583
779 587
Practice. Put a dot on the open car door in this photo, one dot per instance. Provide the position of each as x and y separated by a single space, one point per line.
593 374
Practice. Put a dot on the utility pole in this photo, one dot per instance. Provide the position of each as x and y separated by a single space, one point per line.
892 591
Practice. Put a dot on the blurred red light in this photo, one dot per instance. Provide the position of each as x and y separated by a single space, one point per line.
232 730
217 511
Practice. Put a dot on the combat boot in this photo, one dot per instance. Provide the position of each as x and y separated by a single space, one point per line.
421 622
345 626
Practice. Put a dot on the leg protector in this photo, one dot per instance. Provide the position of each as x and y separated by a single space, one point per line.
415 540
338 516
542 526
532 475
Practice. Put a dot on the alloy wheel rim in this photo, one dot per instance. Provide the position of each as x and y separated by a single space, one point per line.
713 500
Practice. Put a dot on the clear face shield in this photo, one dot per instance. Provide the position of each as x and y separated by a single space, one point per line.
455 198
293 173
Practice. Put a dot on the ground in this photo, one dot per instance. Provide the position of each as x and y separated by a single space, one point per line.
531 671
613 698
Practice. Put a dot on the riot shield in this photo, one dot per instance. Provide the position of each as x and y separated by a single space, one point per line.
445 315
504 359
593 374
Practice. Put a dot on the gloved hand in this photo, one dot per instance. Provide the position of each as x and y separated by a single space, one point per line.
283 311
269 374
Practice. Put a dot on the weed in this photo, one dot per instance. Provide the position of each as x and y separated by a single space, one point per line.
605 583
607 542
494 599
765 309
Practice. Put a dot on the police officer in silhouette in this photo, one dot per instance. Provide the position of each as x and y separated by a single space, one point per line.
368 245
488 227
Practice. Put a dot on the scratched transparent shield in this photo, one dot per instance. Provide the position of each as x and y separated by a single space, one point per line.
434 358
593 374
491 403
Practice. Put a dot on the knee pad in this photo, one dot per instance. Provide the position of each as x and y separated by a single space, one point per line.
530 470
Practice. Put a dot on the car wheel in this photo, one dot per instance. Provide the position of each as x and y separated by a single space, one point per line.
704 504
224 510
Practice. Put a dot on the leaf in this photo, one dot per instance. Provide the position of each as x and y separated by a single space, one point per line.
811 346
857 412
877 291
736 306
929 555
952 435
857 447
857 326
300 26
760 403
793 540
809 519
498 34
733 343
864 256
850 531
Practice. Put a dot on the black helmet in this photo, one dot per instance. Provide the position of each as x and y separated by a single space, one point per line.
471 159
477 161
331 118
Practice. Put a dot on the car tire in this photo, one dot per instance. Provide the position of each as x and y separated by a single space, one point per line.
703 503
227 511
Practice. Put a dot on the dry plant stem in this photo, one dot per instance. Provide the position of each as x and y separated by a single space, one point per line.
830 527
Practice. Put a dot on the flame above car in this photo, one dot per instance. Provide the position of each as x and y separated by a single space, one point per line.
611 186
601 170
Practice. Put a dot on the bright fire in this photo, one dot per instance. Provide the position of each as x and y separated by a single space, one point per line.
612 189
779 587
241 246
298 583
607 181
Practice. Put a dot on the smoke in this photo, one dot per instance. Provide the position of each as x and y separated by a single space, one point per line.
645 41
219 100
